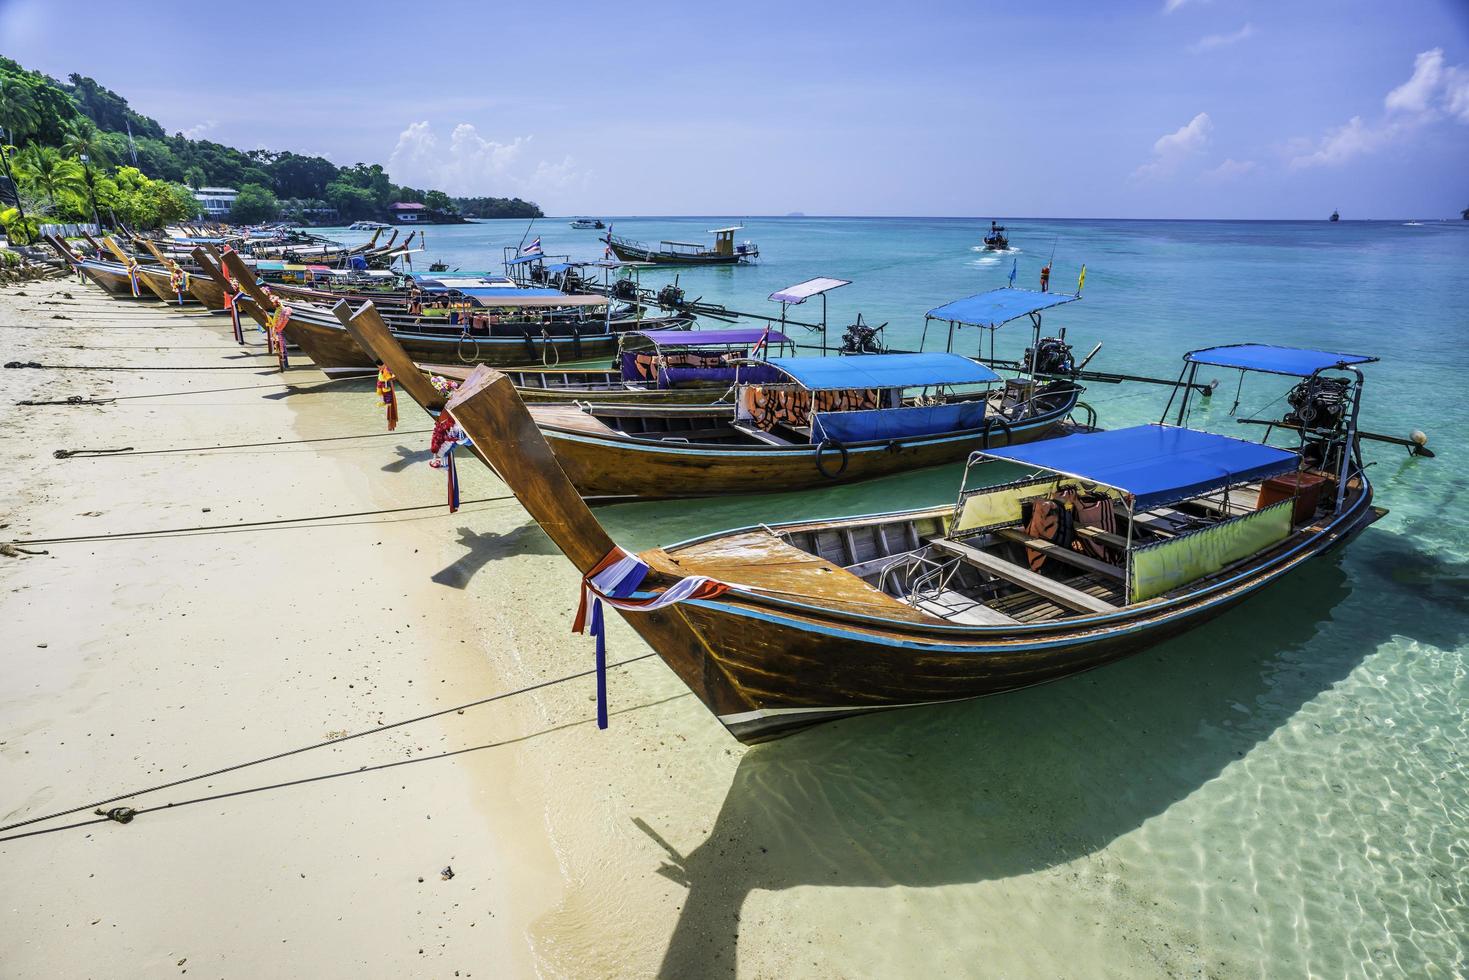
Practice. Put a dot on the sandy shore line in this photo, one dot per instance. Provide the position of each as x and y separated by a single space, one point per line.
135 661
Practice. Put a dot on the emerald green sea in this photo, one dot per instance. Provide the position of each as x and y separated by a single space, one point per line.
1281 792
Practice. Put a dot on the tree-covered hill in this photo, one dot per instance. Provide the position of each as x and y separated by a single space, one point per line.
50 124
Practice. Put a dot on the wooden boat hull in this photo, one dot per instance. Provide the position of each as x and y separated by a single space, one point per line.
625 467
780 670
630 254
112 278
336 353
541 386
159 282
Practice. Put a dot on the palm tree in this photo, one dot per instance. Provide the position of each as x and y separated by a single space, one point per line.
50 172
18 112
83 138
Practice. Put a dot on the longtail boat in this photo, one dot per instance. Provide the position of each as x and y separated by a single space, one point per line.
801 422
536 331
116 278
777 628
724 251
654 367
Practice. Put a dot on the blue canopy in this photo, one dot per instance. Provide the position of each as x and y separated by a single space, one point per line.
999 306
1157 464
883 371
522 259
1296 362
689 338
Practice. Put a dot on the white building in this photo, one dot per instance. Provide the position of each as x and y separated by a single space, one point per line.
216 201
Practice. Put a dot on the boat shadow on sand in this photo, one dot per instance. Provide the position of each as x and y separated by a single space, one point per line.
1015 784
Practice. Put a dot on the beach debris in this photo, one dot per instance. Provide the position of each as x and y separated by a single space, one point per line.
122 814
22 364
447 873
16 551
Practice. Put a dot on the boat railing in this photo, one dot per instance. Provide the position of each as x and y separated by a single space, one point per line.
925 577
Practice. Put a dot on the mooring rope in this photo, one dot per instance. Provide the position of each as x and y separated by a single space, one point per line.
71 453
167 532
121 367
82 400
124 814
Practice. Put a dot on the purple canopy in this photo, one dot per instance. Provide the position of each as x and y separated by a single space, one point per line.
694 338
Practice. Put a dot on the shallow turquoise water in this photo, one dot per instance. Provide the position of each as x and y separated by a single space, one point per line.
1285 788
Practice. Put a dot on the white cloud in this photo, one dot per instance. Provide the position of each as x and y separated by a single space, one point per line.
1345 142
1171 150
1456 93
196 131
472 166
1211 41
1230 169
1169 6
1415 94
1432 92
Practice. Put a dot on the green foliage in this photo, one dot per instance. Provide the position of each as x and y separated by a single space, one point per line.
496 207
350 201
32 106
82 116
254 205
20 232
109 110
83 138
45 170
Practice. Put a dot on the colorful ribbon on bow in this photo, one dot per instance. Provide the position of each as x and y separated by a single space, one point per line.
275 324
232 303
388 395
614 580
132 268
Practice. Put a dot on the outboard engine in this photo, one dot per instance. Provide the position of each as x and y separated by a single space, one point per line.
625 289
1319 403
859 338
1319 406
670 297
1052 356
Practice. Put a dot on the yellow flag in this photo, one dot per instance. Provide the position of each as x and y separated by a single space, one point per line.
1081 280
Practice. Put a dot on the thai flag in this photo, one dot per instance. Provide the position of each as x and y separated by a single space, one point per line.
534 248
760 344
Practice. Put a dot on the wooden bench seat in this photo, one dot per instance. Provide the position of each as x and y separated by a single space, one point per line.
1056 551
1058 593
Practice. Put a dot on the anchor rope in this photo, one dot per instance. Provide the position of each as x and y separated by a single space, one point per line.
166 532
490 699
71 453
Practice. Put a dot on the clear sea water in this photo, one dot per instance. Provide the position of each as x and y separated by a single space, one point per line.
1286 788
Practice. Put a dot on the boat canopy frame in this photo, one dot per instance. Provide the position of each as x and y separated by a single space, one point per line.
1306 363
1144 467
802 291
993 309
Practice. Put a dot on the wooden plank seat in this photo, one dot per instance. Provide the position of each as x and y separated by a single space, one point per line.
1056 551
1058 593
957 607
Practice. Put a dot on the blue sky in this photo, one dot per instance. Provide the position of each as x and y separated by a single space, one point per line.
1169 108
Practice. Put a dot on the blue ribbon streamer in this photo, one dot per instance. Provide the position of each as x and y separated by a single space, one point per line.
597 630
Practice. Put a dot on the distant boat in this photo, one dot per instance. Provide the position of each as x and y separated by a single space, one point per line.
588 224
996 241
367 226
724 252
1464 214
1335 216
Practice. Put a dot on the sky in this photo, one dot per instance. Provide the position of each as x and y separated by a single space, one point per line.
1158 109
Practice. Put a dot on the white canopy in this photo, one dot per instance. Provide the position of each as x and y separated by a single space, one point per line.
802 291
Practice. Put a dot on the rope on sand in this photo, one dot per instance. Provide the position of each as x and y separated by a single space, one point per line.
126 814
291 385
70 453
169 532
